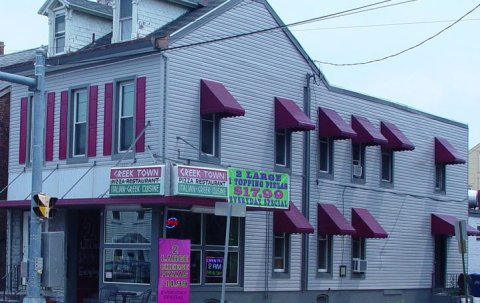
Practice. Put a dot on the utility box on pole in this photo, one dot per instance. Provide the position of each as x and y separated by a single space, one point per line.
53 245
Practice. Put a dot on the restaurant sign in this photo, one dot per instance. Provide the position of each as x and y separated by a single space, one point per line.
200 181
173 271
258 188
137 180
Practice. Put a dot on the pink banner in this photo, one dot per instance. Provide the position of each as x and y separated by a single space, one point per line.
136 172
173 271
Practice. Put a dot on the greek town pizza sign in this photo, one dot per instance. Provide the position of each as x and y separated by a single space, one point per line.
137 180
200 181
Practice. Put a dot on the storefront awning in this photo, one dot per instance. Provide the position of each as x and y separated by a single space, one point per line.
289 116
331 222
366 133
216 99
445 153
331 125
397 141
445 225
366 225
291 221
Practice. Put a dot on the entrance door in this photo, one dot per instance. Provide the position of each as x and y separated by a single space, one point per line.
84 254
440 261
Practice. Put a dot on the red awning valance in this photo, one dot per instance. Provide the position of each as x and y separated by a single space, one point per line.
291 221
366 133
289 116
366 225
397 141
445 153
331 222
216 99
445 225
331 125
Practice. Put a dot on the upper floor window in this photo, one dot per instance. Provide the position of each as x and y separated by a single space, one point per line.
30 127
210 135
125 115
282 148
125 20
79 123
440 172
387 165
358 161
325 155
59 28
280 252
324 253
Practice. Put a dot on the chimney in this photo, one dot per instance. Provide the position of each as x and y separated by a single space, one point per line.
105 2
2 48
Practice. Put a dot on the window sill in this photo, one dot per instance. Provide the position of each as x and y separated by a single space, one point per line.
119 156
439 191
280 275
386 184
324 275
77 160
209 159
325 175
282 169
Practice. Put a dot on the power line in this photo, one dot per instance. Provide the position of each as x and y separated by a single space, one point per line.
405 50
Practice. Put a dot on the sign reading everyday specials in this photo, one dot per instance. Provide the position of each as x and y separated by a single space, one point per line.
258 188
200 181
173 271
137 180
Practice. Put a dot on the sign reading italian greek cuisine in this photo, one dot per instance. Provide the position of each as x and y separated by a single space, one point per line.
258 188
200 181
138 180
173 271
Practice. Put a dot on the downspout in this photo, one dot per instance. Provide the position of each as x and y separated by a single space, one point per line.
306 186
163 93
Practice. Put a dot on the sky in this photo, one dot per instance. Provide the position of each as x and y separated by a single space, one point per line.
439 77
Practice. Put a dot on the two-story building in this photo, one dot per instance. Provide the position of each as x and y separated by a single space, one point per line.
182 88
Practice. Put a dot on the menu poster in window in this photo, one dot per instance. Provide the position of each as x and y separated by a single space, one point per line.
173 271
214 266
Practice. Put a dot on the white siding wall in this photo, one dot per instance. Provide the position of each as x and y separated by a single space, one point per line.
66 175
474 247
153 14
81 27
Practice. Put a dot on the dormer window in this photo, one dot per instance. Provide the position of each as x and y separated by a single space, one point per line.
59 33
125 20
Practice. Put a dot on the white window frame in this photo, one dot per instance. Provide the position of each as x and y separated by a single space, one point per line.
325 253
31 121
285 250
122 20
362 248
210 118
389 153
360 160
327 142
283 133
440 176
59 34
76 94
121 87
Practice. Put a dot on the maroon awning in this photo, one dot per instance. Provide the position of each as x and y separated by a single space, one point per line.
291 221
331 222
445 225
366 133
397 141
445 153
289 116
366 225
216 99
331 125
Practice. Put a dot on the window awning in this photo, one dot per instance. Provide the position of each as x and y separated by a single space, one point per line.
289 116
291 221
366 225
445 153
331 222
216 99
445 225
366 133
397 141
331 125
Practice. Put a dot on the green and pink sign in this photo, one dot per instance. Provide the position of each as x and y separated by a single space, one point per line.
258 188
137 180
200 181
173 271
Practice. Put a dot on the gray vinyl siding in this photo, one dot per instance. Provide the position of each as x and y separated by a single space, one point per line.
67 175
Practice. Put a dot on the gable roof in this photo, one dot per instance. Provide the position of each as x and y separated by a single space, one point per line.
85 6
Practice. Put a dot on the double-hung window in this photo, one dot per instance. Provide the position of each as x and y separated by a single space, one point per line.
79 123
387 165
325 152
324 253
125 20
30 127
358 161
281 249
440 173
59 37
210 136
125 115
282 148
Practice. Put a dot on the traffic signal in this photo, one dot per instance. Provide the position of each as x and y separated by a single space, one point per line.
44 206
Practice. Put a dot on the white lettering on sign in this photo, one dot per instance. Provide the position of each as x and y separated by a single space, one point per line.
124 173
190 172
151 172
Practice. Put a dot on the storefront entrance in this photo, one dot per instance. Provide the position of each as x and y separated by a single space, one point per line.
83 254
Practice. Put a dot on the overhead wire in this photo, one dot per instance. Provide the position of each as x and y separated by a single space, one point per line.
405 50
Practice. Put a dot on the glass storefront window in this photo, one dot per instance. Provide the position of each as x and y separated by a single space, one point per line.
189 226
215 230
215 276
128 237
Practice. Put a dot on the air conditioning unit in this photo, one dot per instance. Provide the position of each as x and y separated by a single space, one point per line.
357 171
359 265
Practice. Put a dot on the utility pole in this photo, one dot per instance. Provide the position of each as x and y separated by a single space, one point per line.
37 85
